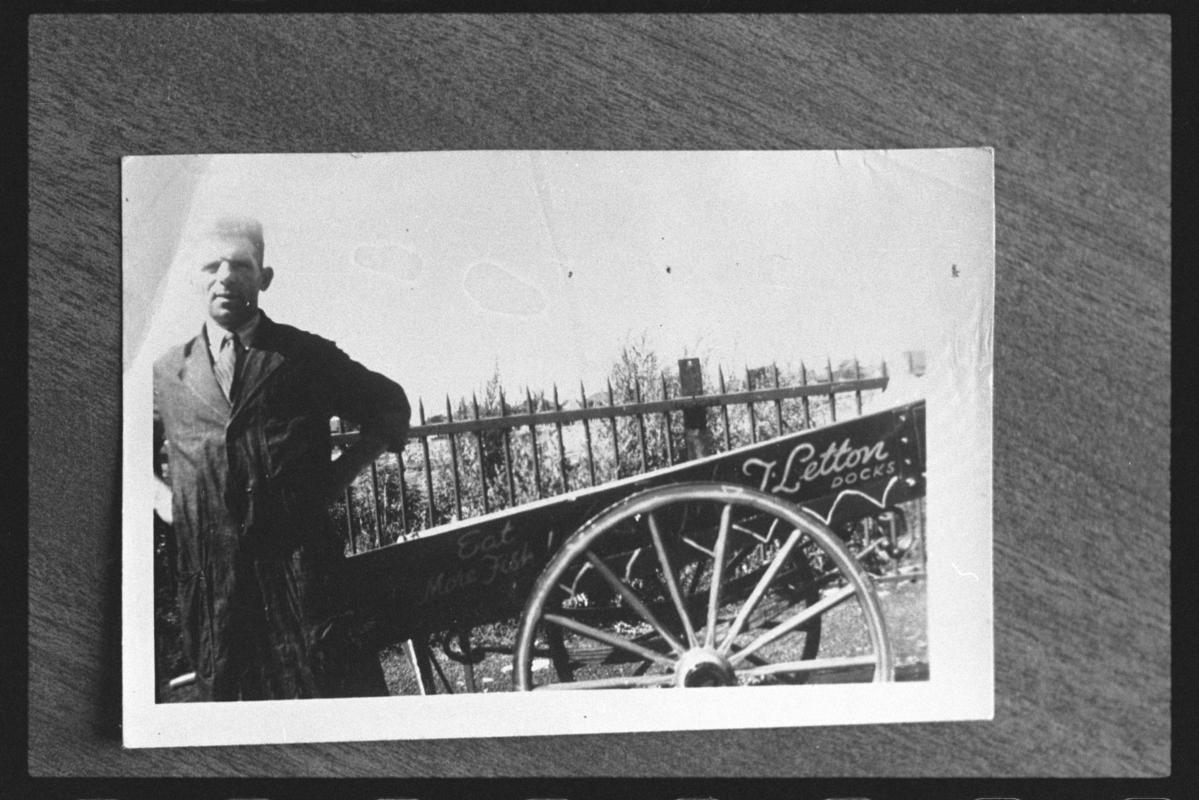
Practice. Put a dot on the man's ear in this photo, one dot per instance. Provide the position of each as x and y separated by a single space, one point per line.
267 275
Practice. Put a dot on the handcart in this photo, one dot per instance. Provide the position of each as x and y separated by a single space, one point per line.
720 571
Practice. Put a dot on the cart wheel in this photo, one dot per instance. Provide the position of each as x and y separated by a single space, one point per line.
702 584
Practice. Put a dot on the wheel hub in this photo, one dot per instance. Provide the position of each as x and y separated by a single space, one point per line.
704 667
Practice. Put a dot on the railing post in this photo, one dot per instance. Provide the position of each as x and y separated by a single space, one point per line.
563 468
403 496
449 417
832 396
533 440
640 425
424 446
778 404
666 423
615 434
807 409
508 452
753 417
474 401
375 504
857 376
587 434
724 412
695 420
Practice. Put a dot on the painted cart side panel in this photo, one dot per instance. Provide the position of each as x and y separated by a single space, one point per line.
482 569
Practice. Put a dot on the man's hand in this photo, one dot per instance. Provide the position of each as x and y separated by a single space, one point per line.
162 500
352 461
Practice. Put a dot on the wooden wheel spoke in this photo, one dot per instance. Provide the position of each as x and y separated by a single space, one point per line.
722 539
672 584
809 665
621 682
759 591
584 629
792 622
635 602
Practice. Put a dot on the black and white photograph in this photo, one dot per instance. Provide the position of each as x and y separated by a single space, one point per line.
507 443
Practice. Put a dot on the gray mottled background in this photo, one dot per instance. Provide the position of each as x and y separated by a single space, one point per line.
1078 111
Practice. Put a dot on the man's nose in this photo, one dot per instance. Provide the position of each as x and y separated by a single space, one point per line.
223 270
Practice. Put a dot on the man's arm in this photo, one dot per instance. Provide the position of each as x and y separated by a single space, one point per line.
379 406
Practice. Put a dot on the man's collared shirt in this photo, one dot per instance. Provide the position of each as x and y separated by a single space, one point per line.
216 334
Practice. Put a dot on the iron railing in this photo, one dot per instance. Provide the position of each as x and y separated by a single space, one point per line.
375 512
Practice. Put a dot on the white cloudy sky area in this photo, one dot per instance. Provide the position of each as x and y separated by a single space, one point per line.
433 268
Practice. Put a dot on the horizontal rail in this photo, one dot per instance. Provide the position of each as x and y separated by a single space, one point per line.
627 409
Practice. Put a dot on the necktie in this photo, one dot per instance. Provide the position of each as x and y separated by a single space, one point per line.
226 363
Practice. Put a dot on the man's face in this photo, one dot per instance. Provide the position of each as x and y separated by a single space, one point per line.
232 278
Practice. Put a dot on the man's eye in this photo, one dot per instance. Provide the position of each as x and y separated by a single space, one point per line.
233 265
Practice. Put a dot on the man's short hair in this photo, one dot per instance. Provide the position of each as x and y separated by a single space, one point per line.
234 226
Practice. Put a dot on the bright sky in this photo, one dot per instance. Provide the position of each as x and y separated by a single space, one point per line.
434 268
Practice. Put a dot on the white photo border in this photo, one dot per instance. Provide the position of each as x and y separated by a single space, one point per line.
958 395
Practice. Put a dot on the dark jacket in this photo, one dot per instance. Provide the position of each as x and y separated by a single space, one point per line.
257 557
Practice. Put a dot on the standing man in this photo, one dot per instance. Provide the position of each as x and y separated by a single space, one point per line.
244 408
